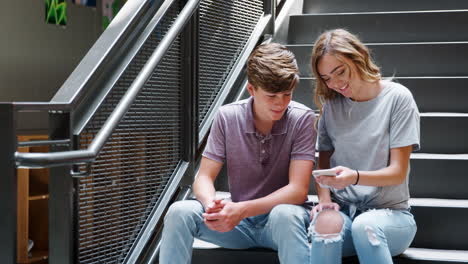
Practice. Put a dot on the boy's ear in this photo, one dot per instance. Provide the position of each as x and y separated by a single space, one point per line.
250 89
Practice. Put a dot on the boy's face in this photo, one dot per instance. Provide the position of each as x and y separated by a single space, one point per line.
269 106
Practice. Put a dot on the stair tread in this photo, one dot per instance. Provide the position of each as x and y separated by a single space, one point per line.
392 43
439 156
444 114
437 202
405 77
436 254
425 202
399 5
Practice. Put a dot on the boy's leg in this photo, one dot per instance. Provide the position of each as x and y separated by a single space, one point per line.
380 234
286 232
184 222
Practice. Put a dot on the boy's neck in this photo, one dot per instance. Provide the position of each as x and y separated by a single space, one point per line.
263 126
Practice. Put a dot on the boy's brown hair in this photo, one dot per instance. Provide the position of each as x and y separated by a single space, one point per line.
273 68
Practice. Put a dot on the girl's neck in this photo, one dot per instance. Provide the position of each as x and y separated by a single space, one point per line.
368 91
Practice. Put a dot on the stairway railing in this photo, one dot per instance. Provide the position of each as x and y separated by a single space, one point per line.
33 160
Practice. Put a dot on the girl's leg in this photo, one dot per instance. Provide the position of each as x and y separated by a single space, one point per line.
380 234
327 231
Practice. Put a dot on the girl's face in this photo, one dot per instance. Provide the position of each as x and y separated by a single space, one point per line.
338 75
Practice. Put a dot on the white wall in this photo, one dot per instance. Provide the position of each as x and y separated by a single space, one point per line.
35 57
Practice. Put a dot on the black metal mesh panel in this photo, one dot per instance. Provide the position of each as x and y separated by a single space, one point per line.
225 27
128 177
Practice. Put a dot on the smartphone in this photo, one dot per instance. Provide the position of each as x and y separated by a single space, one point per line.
327 172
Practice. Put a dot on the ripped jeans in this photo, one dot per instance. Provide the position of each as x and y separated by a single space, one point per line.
284 229
375 236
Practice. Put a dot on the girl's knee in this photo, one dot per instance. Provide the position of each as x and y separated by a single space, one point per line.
366 228
327 226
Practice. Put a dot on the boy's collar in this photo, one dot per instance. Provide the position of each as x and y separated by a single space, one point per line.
279 127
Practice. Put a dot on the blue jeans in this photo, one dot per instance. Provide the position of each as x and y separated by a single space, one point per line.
374 236
284 229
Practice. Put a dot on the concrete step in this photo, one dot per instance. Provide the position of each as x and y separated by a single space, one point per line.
441 223
438 176
444 133
378 27
327 6
405 59
432 94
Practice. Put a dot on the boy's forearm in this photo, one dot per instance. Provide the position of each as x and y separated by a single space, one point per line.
286 195
204 190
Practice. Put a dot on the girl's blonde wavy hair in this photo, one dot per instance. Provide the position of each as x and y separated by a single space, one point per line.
342 44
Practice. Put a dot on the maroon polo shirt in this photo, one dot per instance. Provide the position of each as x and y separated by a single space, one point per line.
258 165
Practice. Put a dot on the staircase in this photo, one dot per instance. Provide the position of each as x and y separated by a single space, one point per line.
424 45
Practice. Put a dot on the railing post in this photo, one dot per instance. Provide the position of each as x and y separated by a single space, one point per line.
190 81
62 216
269 8
8 184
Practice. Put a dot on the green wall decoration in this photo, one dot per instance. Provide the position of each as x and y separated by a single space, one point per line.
56 12
110 8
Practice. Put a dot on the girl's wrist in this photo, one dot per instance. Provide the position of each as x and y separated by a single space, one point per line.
356 181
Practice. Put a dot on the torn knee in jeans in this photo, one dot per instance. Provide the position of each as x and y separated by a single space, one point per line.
372 236
327 227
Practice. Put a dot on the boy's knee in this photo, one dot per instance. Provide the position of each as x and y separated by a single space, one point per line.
181 210
286 213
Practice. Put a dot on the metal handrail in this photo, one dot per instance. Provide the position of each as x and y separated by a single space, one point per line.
259 30
88 155
82 119
109 40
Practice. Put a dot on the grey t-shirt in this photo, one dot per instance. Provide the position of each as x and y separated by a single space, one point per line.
362 134
258 165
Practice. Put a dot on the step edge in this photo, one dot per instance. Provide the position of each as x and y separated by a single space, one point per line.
443 114
462 77
309 45
410 253
439 156
382 12
436 254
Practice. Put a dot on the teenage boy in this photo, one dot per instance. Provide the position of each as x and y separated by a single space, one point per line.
268 145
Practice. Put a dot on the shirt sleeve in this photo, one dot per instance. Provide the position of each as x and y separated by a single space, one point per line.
215 148
324 141
304 144
405 126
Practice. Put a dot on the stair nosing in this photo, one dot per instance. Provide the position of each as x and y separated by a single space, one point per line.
392 43
443 114
405 77
439 156
436 254
382 12
423 202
